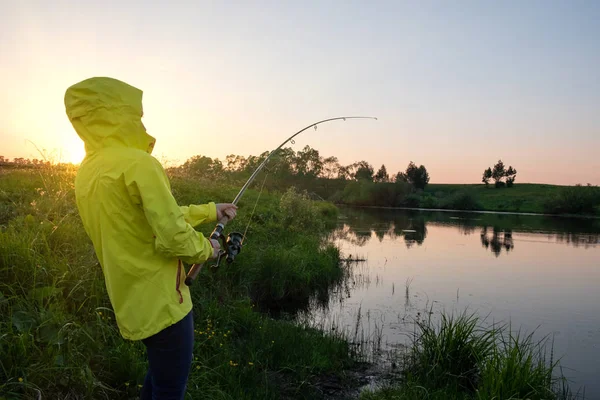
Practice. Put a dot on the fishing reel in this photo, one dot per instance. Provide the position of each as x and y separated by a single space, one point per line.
232 246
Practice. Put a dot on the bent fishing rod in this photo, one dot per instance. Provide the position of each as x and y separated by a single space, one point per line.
233 244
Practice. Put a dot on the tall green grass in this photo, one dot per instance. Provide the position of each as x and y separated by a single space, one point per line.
58 336
461 358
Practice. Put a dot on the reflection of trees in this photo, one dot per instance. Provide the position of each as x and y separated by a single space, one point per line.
496 229
355 237
417 234
578 239
413 230
500 239
468 228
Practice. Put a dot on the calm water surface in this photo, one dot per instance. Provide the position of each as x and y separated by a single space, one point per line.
541 274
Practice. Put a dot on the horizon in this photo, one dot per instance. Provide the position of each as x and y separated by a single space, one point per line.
455 87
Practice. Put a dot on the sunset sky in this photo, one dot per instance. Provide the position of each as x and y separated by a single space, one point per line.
455 85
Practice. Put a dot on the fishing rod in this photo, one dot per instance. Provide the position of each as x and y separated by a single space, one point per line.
233 243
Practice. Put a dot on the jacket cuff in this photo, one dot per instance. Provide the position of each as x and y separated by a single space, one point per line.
212 212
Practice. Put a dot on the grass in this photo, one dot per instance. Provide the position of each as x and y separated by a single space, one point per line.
58 337
460 358
522 197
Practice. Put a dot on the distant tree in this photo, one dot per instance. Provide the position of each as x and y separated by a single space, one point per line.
331 167
364 171
343 172
511 175
308 162
487 175
382 175
254 161
203 166
417 176
281 164
498 173
235 163
423 177
400 177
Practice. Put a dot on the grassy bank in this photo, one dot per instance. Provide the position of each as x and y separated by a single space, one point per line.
527 198
58 337
523 197
458 358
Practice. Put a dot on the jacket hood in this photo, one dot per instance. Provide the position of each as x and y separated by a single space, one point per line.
106 112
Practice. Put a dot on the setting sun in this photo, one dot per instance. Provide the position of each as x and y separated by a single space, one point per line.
74 151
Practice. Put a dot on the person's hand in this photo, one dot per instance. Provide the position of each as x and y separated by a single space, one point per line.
216 247
226 209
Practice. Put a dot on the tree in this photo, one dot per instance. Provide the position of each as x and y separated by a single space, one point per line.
308 162
487 175
417 176
343 172
511 175
498 173
364 171
203 166
400 177
331 167
382 175
235 163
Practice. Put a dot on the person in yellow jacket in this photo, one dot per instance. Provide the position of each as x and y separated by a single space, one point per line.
139 233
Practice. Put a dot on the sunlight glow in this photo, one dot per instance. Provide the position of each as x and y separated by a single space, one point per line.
75 152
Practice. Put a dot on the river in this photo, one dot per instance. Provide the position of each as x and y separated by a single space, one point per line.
541 274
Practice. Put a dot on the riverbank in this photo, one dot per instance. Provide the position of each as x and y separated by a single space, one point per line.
59 338
521 198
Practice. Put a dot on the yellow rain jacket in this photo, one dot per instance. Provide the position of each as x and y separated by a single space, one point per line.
124 198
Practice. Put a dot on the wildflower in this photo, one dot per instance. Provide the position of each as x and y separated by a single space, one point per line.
197 367
99 312
220 344
224 335
272 342
127 384
250 363
20 379
139 386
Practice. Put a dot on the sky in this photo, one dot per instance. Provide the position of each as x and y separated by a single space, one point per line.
455 85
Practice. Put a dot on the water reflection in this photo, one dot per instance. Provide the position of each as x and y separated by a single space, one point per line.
495 230
498 240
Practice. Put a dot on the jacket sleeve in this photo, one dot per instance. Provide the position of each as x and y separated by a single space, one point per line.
199 214
148 185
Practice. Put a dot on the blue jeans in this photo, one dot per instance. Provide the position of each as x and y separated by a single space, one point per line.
170 359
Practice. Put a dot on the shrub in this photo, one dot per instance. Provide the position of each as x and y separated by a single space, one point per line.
574 200
461 201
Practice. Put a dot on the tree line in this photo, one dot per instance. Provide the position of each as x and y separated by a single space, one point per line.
303 164
23 162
